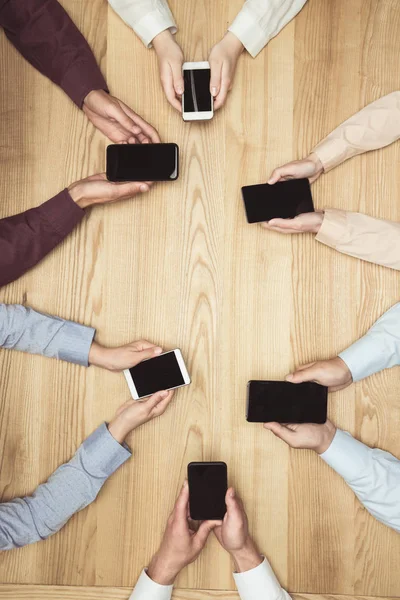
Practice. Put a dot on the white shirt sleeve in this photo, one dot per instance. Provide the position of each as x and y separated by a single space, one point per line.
259 584
379 349
261 20
147 18
147 589
372 474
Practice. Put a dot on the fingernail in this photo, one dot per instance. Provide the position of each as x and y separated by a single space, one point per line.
143 188
232 493
179 91
214 91
185 483
289 377
157 350
163 394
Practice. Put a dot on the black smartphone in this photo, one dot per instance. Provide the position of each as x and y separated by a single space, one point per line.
142 162
208 484
286 402
284 200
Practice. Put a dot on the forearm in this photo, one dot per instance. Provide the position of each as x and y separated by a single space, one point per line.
261 20
45 35
146 17
375 126
71 488
377 350
26 330
362 236
373 475
28 237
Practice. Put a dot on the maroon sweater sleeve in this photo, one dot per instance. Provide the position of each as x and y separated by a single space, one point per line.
26 238
44 34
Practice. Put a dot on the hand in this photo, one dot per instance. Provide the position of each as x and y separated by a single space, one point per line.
333 373
305 435
116 120
310 167
234 537
134 413
223 59
96 189
181 545
170 61
305 223
123 357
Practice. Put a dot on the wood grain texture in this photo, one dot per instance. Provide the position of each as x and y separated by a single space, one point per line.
180 266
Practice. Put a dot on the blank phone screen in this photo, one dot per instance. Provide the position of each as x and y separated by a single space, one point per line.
286 402
208 483
284 200
197 97
142 162
159 373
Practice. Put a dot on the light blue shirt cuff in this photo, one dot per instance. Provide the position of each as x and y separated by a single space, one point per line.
102 454
74 342
346 455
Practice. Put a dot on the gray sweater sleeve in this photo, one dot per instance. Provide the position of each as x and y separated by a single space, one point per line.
25 329
70 488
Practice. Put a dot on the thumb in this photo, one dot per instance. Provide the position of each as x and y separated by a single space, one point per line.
276 175
215 79
147 353
302 375
178 78
204 531
282 432
155 399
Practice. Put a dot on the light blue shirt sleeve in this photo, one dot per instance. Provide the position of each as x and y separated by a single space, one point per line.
71 488
25 329
379 348
372 474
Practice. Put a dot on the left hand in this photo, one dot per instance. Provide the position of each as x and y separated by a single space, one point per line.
181 545
117 121
123 357
306 223
223 59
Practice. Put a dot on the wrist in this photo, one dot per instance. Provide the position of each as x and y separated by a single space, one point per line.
235 45
162 571
118 429
247 557
92 95
162 40
98 356
329 431
319 219
76 191
317 162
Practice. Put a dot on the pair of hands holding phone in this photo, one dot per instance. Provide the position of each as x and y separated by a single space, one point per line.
223 59
182 543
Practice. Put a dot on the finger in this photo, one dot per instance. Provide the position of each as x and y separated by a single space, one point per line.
283 223
144 345
182 502
144 126
215 79
149 352
280 173
169 91
155 400
204 531
281 230
129 189
224 89
96 177
281 432
162 406
118 113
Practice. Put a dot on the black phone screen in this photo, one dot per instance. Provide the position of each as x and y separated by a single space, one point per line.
286 402
142 162
159 373
208 483
197 97
284 200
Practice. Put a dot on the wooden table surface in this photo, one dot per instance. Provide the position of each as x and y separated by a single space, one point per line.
181 267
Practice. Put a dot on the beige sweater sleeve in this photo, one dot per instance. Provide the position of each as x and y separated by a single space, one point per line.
375 126
361 236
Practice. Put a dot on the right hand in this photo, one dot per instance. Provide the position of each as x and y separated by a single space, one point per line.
181 545
310 167
234 536
308 436
306 223
96 189
333 373
170 61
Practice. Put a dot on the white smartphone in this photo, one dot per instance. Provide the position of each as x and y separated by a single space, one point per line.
197 101
164 372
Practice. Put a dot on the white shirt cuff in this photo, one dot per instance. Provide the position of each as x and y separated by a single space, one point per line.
259 583
346 455
147 589
247 29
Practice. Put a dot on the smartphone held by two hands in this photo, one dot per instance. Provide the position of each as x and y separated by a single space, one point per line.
283 200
